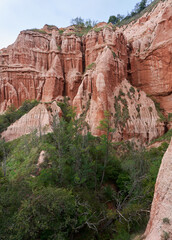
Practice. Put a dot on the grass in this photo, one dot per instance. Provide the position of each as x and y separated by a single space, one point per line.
148 9
121 112
37 30
51 26
79 31
169 117
59 47
132 90
166 137
114 55
97 29
166 220
83 31
159 110
61 31
165 236
91 66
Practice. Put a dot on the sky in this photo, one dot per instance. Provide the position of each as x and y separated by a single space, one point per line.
18 15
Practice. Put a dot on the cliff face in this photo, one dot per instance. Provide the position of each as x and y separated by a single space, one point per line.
39 119
159 225
92 70
150 43
35 67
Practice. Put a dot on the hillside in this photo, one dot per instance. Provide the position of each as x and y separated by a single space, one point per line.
86 118
88 65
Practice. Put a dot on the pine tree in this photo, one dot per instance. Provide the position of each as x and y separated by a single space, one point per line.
105 126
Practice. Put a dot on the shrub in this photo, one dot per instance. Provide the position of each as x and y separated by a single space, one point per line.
169 117
97 29
90 66
114 55
49 213
81 23
132 90
115 19
61 31
165 236
37 30
166 220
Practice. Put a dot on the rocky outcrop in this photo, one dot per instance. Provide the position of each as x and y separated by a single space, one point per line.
51 63
135 116
95 41
150 49
22 69
39 119
36 65
95 94
43 64
159 225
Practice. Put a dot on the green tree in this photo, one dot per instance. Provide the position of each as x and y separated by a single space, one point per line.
72 143
3 155
78 21
139 7
142 5
105 126
50 213
115 19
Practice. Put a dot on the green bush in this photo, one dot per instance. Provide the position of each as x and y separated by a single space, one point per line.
97 29
139 10
47 214
86 188
90 66
37 30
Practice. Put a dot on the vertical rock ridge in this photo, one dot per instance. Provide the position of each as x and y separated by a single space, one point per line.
160 221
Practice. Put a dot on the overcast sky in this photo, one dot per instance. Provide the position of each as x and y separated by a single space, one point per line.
17 15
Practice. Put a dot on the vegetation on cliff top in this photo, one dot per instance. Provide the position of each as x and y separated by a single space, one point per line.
86 188
82 26
139 10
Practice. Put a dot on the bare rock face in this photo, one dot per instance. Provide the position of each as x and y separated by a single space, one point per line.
49 64
41 158
54 83
37 66
96 40
150 49
95 94
135 116
40 118
22 69
72 52
159 225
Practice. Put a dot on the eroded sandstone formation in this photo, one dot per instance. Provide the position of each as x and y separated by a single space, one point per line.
35 66
150 51
92 69
39 119
159 225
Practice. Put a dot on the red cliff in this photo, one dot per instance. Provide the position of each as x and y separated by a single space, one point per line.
92 69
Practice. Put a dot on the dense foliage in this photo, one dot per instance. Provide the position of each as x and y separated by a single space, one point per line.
86 188
139 9
13 114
